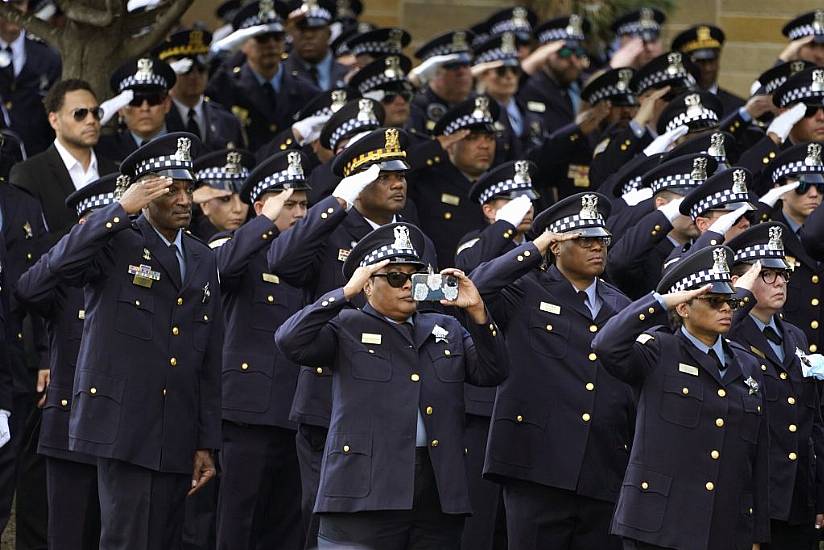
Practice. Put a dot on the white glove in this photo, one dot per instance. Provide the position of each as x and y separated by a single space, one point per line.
637 195
783 123
725 222
812 366
308 129
670 210
236 38
426 70
350 187
771 197
181 66
5 433
111 106
664 141
514 211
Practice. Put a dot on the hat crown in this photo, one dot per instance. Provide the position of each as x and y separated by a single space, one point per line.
719 261
624 78
402 240
716 148
703 33
796 67
693 103
232 165
508 42
699 169
144 69
818 80
392 140
395 39
522 172
295 168
459 41
813 157
266 10
121 185
574 27
184 146
646 18
589 207
775 242
519 17
393 67
365 112
675 63
338 100
739 182
481 108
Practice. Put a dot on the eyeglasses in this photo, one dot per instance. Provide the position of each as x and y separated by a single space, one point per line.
507 69
812 110
389 97
566 52
81 113
589 242
717 302
456 65
152 98
267 36
397 279
769 276
804 186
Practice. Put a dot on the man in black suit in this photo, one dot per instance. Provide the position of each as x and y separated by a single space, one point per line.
70 162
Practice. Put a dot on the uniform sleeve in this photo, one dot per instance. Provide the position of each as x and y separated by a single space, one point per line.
487 245
234 254
761 481
622 147
309 337
759 156
625 350
37 287
487 360
209 394
812 234
627 258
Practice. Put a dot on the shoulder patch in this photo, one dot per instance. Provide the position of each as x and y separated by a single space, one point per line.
643 338
536 106
467 245
601 147
217 243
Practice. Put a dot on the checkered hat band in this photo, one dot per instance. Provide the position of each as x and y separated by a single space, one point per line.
551 35
774 84
495 55
319 13
503 187
220 173
377 46
508 25
256 20
758 251
674 180
662 76
131 81
444 49
717 199
634 27
348 128
377 81
95 201
605 92
797 167
270 181
800 94
386 251
465 121
574 222
160 163
700 279
685 118
631 185
801 31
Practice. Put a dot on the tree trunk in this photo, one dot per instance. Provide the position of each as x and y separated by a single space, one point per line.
93 54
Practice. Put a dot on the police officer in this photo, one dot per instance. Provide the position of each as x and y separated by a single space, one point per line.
561 425
259 91
638 33
385 80
219 177
191 111
794 410
311 57
146 390
259 502
806 35
368 46
71 477
397 377
698 475
150 80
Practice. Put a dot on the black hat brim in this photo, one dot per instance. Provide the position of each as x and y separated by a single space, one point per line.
176 174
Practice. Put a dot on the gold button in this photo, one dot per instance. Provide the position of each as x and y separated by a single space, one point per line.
763 367
722 392
814 301
319 371
28 256
434 443
92 390
323 303
180 301
371 351
644 485
244 366
173 361
793 428
175 331
813 348
330 210
793 456
346 448
590 386
715 454
447 215
783 376
324 215
270 298
585 417
264 236
592 357
710 486
772 154
814 279
549 328
714 242
814 324
719 422
64 402
527 253
791 400
519 418
164 392
137 303
651 310
447 352
520 258
641 316
415 377
593 328
116 219
429 410
108 225
657 227
685 391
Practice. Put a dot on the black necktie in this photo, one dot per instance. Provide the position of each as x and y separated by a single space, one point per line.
313 74
173 248
269 92
192 126
9 69
583 297
714 356
771 335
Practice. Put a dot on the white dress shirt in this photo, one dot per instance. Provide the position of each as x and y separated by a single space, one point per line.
80 177
200 117
18 51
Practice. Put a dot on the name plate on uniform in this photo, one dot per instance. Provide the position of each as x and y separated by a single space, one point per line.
688 369
143 275
368 338
271 278
536 106
343 253
550 308
454 200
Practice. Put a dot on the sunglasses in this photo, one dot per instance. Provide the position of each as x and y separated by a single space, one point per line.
589 242
389 97
397 279
456 65
804 186
717 302
81 113
153 99
267 36
812 110
769 276
565 53
505 70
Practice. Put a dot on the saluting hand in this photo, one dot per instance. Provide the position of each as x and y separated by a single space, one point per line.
203 471
359 278
648 106
547 238
141 193
274 204
673 299
747 280
468 298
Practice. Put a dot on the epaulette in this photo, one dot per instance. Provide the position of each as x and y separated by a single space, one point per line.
194 237
643 338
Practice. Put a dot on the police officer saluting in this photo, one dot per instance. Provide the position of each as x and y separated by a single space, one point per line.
697 476
393 475
146 398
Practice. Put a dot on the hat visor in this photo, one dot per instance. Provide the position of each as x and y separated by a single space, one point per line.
705 54
462 60
176 174
732 206
720 287
597 231
394 165
313 22
623 101
773 263
406 260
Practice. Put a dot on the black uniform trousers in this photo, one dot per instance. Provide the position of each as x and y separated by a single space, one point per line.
785 536
309 443
200 517
630 544
259 504
140 509
485 529
539 517
424 527
74 508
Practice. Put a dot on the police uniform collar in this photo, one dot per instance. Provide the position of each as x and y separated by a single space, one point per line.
717 347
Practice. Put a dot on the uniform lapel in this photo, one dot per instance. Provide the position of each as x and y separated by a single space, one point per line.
567 295
701 358
59 171
733 371
255 94
159 250
193 257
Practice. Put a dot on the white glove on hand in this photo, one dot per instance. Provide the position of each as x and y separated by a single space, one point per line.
771 197
670 210
5 433
308 129
350 187
725 222
426 70
181 66
783 123
637 195
664 141
812 366
514 211
111 106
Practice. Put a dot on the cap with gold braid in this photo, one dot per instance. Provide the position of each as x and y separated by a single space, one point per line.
699 42
385 147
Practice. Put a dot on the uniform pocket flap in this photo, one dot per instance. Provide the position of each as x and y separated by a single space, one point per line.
350 443
520 412
686 386
98 385
647 480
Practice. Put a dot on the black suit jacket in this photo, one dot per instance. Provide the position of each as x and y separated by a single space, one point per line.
45 176
222 129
